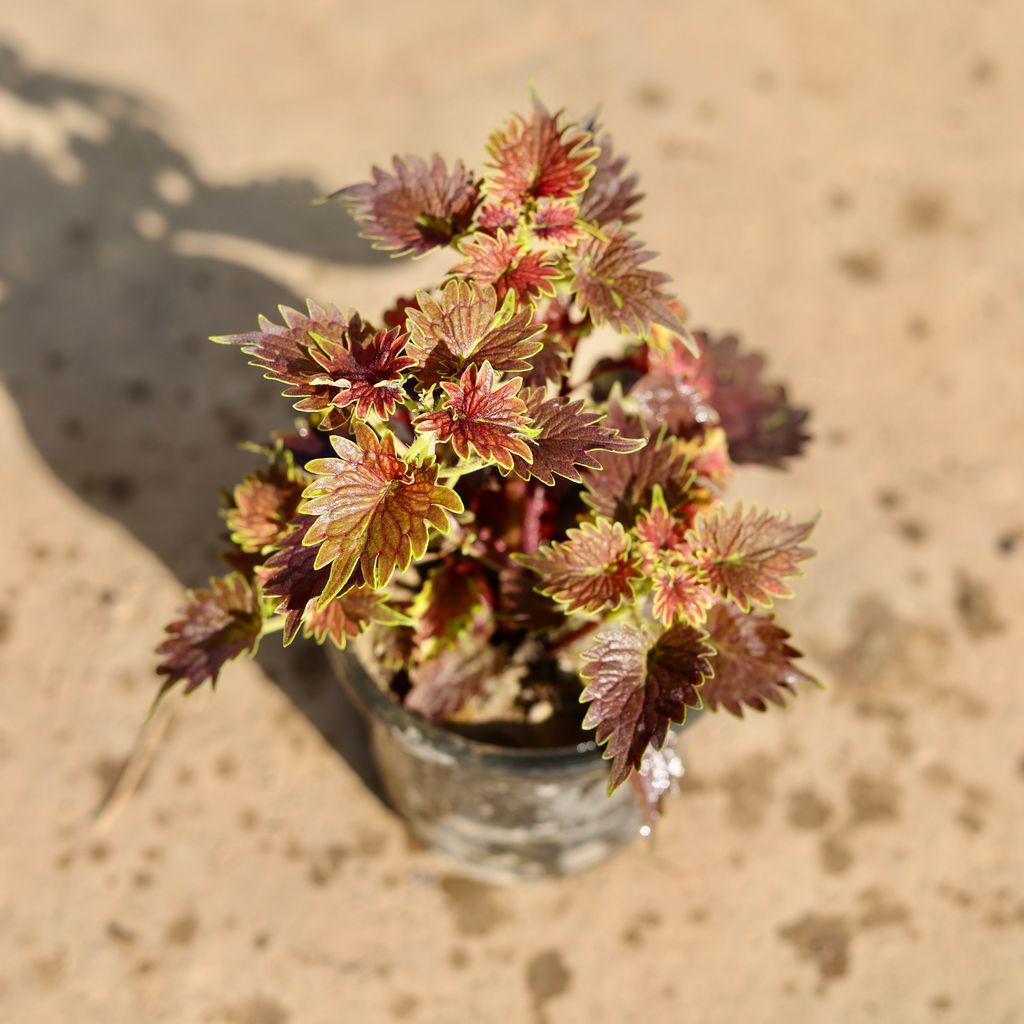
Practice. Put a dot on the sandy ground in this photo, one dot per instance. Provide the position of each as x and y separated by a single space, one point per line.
841 183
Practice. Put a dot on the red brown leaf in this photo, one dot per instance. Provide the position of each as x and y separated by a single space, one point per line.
568 436
482 415
669 399
550 364
417 208
555 222
520 606
613 285
660 532
709 457
395 315
624 485
611 194
753 661
367 373
349 615
453 594
463 326
536 157
562 335
495 217
372 509
286 354
591 571
217 625
747 556
291 576
444 683
679 594
507 265
759 422
637 689
263 504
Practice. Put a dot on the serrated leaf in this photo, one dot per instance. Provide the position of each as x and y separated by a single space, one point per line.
555 222
463 326
559 317
658 531
679 593
481 414
367 374
507 265
561 336
372 509
454 592
759 422
663 352
753 664
242 562
290 575
668 399
622 419
263 504
394 647
591 571
217 625
708 454
637 689
536 157
286 354
747 556
304 442
443 684
568 436
611 194
624 485
395 315
495 217
417 208
455 322
520 606
550 365
349 615
612 284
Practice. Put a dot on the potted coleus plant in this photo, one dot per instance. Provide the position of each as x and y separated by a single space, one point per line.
528 547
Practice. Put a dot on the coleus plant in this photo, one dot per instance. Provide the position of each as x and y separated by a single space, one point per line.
468 484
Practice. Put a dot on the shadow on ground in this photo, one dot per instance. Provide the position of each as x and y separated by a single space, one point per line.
104 325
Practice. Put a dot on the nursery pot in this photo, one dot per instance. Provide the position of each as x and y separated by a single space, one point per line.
501 813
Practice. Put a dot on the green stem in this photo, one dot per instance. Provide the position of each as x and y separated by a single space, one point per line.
469 466
273 625
424 444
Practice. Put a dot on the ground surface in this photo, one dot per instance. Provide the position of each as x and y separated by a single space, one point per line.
840 182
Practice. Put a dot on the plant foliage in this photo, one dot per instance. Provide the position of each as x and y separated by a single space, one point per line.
488 508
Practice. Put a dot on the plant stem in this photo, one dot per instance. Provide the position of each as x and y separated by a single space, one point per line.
568 639
533 512
133 768
515 495
272 625
469 466
424 443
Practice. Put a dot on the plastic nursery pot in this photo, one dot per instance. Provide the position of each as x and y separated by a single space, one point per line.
501 813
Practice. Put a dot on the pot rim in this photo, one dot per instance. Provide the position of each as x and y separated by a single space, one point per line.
375 703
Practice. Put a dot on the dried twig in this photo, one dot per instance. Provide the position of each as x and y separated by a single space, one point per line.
133 770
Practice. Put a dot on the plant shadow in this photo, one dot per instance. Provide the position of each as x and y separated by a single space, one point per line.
104 319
